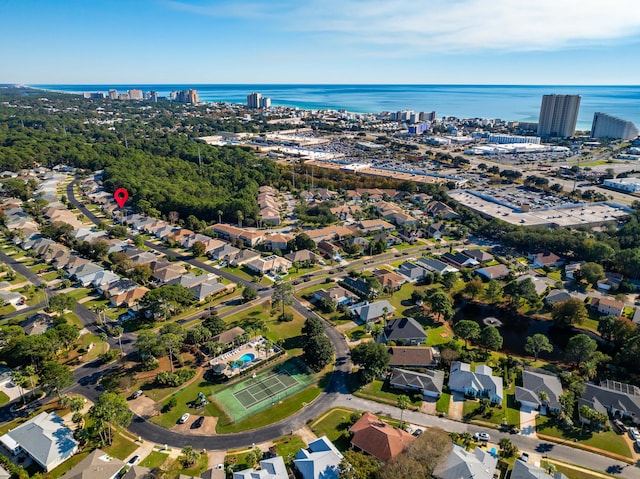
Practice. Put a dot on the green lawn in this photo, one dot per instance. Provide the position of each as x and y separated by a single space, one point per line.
606 440
69 464
6 309
380 391
573 473
334 424
442 405
4 399
198 468
471 411
154 459
289 445
121 447
50 276
79 293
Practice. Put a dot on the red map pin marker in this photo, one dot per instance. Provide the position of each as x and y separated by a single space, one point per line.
121 196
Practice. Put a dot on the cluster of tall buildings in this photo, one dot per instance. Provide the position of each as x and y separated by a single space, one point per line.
411 116
255 101
133 94
559 114
185 96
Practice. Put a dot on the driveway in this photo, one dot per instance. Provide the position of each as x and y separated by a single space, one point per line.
456 407
528 422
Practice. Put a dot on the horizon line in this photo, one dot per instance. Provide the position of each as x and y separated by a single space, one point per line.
32 85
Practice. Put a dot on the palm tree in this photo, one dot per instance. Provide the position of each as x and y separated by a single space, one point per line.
240 216
220 216
117 332
402 403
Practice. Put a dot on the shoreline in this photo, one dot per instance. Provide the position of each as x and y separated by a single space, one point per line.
462 101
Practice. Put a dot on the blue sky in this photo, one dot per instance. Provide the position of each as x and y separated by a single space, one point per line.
320 41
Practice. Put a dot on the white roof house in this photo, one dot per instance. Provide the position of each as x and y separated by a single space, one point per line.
273 468
481 383
44 438
319 461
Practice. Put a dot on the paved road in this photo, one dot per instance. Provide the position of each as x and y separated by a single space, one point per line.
22 269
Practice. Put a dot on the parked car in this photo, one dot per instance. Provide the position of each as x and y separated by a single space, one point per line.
524 457
481 436
133 461
184 418
198 422
634 434
137 394
417 432
620 425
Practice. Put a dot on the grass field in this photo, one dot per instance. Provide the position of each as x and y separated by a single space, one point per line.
154 459
605 440
4 399
334 424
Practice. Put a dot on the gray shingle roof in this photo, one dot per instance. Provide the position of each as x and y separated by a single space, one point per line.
404 329
430 380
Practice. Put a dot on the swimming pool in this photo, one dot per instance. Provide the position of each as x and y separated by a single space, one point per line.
247 357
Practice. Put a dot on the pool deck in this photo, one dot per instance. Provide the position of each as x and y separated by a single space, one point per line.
252 347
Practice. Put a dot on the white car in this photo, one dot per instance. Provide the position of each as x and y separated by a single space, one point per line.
633 432
184 418
482 436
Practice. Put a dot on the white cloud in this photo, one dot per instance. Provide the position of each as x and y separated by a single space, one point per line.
443 26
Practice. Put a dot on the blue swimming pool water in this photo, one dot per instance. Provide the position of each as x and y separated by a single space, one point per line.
248 357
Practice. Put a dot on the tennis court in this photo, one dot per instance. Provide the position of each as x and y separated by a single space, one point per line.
265 388
254 394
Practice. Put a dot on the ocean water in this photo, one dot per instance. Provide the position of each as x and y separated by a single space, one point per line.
507 102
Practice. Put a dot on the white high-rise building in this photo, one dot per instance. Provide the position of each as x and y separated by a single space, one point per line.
253 100
265 102
558 115
608 126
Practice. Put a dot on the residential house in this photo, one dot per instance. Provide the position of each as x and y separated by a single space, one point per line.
436 266
404 331
164 231
223 252
357 285
270 265
203 290
479 255
459 260
571 269
557 296
11 298
346 212
613 398
438 209
535 383
212 244
371 226
143 257
242 257
610 282
37 323
302 256
328 249
189 240
412 271
118 287
74 263
388 239
365 312
277 241
178 235
481 383
272 468
162 272
528 470
608 306
428 383
413 357
410 236
247 237
463 464
138 472
129 298
436 230
389 280
97 465
497 271
332 233
228 336
337 295
87 273
380 440
320 460
546 259
44 438
104 278
190 280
